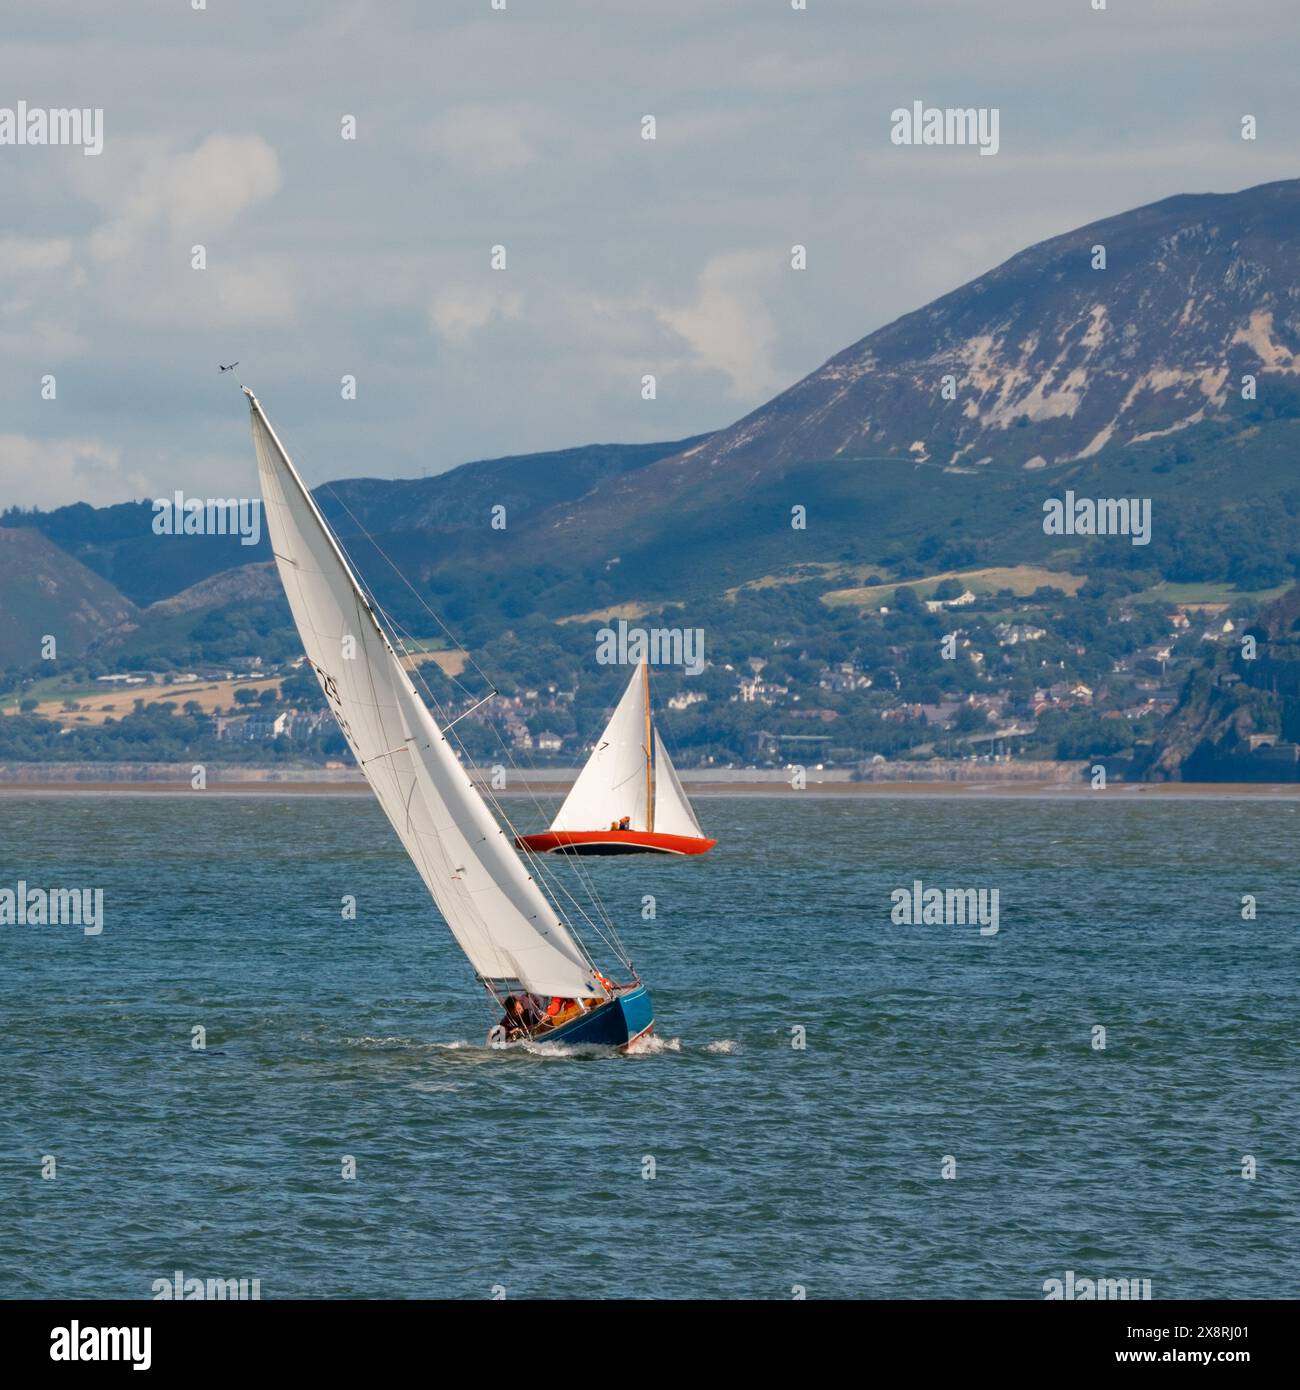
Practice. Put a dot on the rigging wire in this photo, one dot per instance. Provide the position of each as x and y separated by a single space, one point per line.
604 928
607 932
544 874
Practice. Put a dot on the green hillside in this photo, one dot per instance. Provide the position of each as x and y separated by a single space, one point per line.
44 593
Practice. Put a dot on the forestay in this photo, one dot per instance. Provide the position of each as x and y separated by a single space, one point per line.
497 912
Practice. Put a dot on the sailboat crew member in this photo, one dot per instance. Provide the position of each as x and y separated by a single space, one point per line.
520 1017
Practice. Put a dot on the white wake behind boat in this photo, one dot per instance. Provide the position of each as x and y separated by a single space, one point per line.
628 798
519 942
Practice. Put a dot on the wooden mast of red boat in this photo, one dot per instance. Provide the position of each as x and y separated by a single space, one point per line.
649 759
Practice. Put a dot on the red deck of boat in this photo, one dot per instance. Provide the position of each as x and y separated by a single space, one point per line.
613 842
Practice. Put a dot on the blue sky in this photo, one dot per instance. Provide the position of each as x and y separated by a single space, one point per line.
522 128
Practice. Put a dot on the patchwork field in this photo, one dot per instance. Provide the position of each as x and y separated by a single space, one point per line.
449 663
1208 596
1022 580
629 612
98 703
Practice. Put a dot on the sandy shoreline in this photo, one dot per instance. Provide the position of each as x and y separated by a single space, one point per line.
1008 790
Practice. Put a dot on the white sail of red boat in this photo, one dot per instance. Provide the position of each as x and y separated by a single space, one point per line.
628 798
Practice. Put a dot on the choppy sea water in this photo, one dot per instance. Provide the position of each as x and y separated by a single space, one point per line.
774 1166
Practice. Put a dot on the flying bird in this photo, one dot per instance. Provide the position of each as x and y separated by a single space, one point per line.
230 368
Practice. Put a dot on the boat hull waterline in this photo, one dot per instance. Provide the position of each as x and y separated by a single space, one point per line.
613 842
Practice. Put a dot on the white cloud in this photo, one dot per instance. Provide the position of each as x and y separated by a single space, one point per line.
42 340
478 136
51 472
729 328
23 255
257 290
196 195
460 310
253 290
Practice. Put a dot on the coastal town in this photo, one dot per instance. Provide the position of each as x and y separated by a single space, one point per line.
985 678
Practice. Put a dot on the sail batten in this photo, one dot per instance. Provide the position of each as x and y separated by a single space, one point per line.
495 910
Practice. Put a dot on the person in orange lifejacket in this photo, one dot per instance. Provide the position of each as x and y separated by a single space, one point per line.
557 1006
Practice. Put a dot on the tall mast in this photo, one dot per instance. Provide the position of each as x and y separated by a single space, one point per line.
649 751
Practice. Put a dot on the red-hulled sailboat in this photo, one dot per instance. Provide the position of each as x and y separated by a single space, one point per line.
628 799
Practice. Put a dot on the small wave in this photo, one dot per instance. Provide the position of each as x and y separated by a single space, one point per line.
567 1052
724 1045
653 1046
546 1052
399 1044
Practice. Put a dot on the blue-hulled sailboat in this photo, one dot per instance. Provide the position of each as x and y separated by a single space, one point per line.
519 941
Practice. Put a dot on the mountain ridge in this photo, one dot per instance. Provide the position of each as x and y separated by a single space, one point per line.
1111 382
46 593
834 407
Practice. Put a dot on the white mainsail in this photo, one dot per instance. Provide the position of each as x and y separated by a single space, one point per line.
496 911
621 780
614 782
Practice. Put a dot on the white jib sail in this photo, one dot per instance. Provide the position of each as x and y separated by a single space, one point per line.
613 783
496 911
673 813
